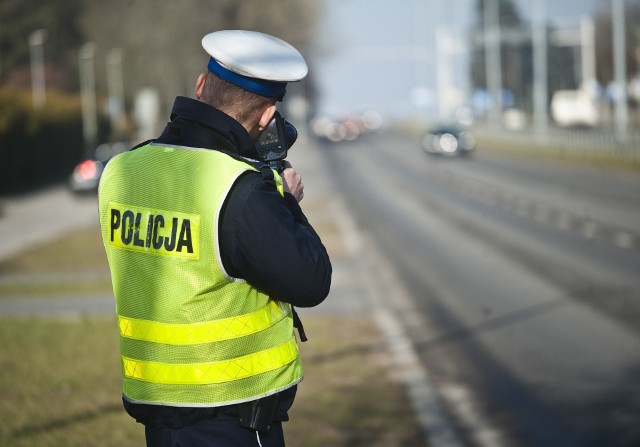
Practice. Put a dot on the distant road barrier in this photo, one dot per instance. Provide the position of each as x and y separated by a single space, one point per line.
581 142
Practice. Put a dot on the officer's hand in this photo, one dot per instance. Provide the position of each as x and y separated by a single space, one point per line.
292 182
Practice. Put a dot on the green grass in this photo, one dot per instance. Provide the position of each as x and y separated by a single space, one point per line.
557 154
61 387
74 264
348 397
79 251
60 383
61 378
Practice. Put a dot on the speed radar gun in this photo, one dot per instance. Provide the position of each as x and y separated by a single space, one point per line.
275 141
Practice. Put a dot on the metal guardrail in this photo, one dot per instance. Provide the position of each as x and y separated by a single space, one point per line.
586 142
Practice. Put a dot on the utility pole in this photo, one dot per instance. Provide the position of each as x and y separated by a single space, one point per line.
115 87
493 62
540 70
588 51
619 68
36 53
88 96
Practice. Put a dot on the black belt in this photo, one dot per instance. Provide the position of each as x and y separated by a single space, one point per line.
256 414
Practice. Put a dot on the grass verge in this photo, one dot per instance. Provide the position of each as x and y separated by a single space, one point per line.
555 153
74 264
61 377
61 383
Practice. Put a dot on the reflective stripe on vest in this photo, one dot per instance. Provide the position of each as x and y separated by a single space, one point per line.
212 372
207 332
279 182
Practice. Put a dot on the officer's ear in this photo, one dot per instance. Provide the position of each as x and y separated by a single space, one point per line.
266 117
199 89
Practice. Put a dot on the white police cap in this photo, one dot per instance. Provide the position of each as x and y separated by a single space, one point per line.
254 61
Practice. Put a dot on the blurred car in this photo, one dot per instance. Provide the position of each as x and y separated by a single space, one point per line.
448 141
347 128
86 174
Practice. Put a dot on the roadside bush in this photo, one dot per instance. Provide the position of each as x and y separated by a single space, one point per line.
38 147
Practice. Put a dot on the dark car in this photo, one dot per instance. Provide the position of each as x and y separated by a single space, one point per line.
86 175
448 141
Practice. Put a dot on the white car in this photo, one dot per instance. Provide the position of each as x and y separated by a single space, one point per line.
574 108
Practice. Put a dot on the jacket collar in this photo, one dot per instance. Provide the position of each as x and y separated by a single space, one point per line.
196 124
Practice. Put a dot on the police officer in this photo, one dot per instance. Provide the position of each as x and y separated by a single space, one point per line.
209 251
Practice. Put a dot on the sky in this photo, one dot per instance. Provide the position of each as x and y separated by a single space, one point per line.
381 54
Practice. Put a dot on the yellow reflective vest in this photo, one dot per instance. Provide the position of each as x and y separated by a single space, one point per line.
190 335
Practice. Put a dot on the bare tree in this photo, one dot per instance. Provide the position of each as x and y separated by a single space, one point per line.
161 40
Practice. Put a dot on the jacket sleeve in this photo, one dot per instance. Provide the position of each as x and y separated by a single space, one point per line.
267 240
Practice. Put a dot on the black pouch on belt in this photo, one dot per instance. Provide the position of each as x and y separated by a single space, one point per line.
258 414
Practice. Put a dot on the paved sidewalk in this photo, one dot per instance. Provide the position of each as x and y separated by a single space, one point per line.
29 219
327 212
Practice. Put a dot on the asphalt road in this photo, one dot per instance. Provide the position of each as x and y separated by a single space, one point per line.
523 280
